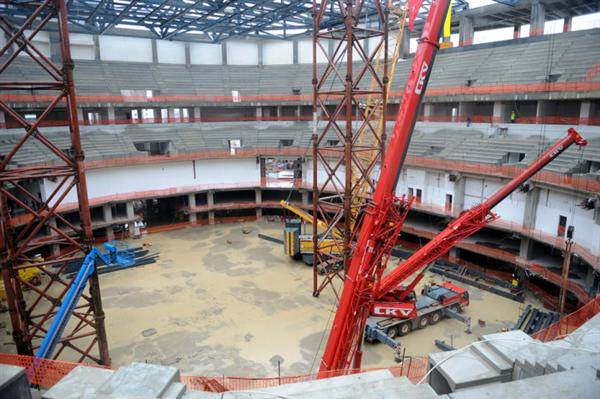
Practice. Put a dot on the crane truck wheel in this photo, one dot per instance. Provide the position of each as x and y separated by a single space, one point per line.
404 328
392 332
423 322
435 317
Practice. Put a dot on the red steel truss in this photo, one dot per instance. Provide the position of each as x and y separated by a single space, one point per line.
347 91
34 193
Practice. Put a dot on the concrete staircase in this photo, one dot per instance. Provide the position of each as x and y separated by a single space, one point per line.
148 381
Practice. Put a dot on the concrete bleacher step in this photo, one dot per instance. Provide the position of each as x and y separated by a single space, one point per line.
581 384
139 379
348 387
175 391
202 395
492 358
81 382
329 383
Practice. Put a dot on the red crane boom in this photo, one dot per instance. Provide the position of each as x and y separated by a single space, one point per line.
466 224
384 215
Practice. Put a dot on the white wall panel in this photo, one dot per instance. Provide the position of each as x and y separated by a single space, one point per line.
118 181
242 52
278 52
553 204
305 52
120 48
170 52
206 54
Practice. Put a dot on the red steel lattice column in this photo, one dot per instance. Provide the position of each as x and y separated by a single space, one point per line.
347 89
34 194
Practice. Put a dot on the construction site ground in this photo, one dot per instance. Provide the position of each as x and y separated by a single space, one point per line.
222 301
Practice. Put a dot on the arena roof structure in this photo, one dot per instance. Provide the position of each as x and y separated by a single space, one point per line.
201 20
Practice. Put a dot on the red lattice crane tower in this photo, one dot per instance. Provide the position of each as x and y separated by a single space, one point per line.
344 346
31 196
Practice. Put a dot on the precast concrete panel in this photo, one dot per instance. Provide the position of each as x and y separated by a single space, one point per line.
278 52
206 54
242 52
121 48
170 52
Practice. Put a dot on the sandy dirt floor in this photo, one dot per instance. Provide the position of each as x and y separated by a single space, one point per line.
220 301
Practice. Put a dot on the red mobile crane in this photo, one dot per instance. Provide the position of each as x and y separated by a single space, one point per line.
384 216
396 310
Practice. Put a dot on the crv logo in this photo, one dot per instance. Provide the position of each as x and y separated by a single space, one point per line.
393 312
422 75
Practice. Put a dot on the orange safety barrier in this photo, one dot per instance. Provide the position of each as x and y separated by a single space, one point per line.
569 323
46 373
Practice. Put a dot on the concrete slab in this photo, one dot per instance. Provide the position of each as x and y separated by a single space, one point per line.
493 358
393 388
81 383
464 369
201 395
329 383
174 391
14 382
580 384
139 380
509 345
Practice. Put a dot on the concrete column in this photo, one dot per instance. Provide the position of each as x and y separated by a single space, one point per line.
305 198
531 202
427 111
458 198
541 111
130 211
111 114
260 52
197 114
2 120
188 55
567 22
585 112
537 19
210 201
224 53
516 31
258 200
110 234
466 31
192 206
171 114
501 112
589 279
465 110
295 51
107 213
96 48
55 249
526 249
405 46
259 113
54 47
453 255
278 112
154 51
80 114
